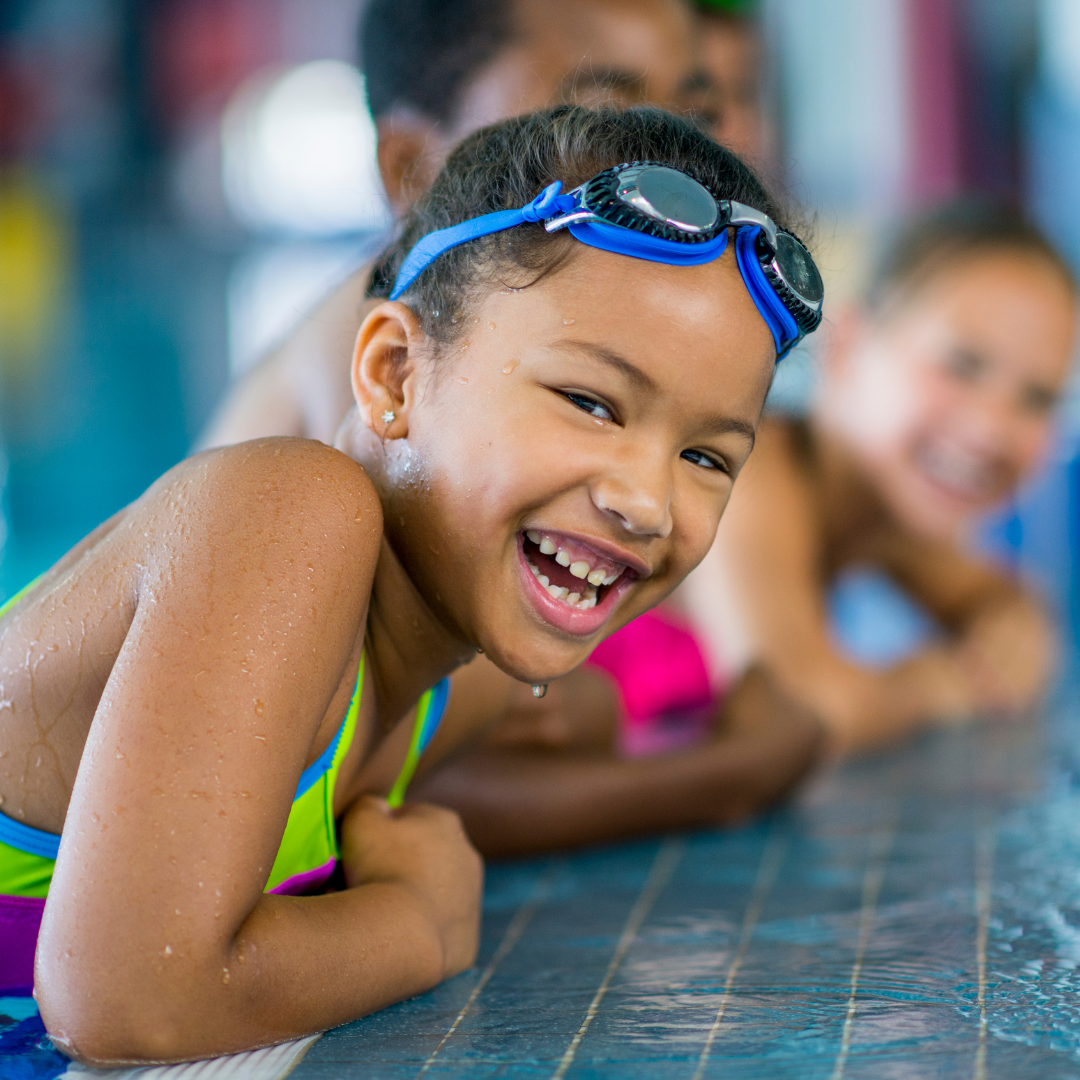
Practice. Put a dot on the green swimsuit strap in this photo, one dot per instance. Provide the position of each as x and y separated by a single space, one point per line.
429 711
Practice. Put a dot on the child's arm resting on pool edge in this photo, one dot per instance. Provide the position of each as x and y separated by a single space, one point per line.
1004 638
770 533
518 800
157 941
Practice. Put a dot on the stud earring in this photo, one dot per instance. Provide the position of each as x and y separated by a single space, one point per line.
388 417
539 690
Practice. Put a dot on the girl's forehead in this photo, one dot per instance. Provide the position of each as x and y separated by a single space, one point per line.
676 323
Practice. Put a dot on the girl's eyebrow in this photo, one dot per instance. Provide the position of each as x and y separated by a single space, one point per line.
630 371
721 425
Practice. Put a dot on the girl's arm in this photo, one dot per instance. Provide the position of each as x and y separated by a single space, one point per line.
1004 638
767 565
157 941
568 788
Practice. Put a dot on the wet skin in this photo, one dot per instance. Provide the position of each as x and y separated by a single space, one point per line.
169 680
929 412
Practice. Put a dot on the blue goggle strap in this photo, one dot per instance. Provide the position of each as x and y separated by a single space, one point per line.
597 234
777 318
548 204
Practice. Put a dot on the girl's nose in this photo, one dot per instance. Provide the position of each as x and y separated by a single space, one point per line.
639 495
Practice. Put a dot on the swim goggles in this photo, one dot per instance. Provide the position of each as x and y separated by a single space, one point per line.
650 211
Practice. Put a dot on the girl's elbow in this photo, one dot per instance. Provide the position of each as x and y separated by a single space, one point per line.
101 1018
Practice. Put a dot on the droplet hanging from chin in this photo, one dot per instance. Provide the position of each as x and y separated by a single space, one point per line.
539 690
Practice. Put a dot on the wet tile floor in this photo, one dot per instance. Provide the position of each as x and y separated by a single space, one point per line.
915 915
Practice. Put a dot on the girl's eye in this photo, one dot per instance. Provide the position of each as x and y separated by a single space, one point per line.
591 406
706 461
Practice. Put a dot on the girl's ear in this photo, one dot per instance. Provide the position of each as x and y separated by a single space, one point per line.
384 369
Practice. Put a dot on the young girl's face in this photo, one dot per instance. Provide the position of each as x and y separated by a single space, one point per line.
568 458
948 401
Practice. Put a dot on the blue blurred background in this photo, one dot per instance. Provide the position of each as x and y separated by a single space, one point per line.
181 179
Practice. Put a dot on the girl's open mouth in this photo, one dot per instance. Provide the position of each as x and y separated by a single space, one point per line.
577 585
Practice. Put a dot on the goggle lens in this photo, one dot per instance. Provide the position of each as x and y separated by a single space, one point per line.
798 270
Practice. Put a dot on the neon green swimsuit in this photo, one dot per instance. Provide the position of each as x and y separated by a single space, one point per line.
306 856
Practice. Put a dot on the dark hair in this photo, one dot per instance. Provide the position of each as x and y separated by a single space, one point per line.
949 233
506 165
422 53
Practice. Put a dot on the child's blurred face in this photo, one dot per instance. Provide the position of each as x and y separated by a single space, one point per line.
948 400
730 102
568 458
585 52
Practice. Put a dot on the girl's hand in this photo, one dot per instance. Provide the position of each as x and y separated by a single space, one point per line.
423 848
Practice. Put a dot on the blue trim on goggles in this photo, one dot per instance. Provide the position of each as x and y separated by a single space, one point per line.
620 241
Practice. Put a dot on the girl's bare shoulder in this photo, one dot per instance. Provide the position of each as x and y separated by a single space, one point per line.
270 499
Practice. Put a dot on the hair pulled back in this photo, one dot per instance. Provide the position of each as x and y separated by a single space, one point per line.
507 164
953 232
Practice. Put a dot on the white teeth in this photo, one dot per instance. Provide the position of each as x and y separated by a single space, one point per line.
561 558
536 573
546 547
596 577
573 598
543 579
558 592
580 569
611 580
533 535
586 604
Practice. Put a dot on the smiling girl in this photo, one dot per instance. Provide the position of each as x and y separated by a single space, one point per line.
552 405
936 400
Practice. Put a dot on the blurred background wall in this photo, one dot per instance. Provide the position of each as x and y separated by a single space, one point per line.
181 179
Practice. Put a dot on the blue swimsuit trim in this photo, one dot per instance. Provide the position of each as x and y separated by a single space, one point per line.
33 841
320 766
440 692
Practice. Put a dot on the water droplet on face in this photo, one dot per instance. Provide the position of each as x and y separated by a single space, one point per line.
258 707
225 975
569 322
509 366
491 326
464 347
167 951
462 379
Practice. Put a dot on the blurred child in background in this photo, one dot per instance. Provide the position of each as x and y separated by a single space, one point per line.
730 61
435 71
936 400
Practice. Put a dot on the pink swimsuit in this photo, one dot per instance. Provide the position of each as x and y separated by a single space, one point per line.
659 668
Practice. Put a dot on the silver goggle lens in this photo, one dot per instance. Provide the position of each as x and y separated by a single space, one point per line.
669 196
798 270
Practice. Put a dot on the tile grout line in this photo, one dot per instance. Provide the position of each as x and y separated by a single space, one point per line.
667 858
880 848
518 924
771 858
984 875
